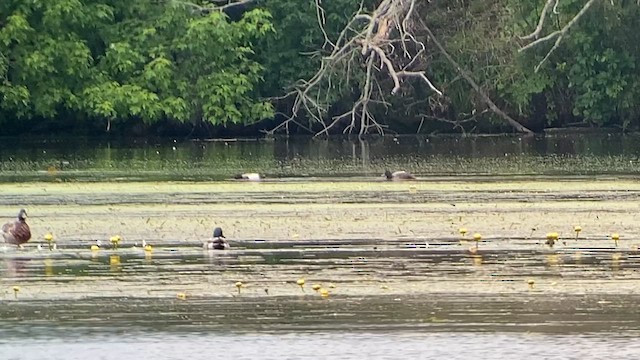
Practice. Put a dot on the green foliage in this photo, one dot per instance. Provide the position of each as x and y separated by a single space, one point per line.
117 59
599 82
167 61
478 35
591 77
293 52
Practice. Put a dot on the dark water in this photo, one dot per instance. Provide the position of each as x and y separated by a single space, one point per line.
96 159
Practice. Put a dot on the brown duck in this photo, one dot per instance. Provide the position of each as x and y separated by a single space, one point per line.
17 232
398 175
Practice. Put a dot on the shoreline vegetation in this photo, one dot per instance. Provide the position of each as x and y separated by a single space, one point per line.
256 68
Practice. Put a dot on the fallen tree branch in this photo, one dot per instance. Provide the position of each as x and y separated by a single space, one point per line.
457 124
513 123
362 55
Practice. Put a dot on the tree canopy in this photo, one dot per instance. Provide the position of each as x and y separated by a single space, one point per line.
108 60
321 66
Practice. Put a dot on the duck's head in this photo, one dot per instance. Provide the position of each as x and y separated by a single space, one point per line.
217 232
388 174
22 215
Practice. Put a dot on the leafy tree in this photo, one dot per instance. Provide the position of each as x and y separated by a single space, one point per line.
591 75
117 59
121 62
292 52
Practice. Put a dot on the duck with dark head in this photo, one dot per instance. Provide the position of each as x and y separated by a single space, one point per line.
218 242
249 177
17 232
398 175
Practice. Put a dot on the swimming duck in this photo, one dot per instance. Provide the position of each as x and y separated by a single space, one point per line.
248 177
17 232
398 175
218 242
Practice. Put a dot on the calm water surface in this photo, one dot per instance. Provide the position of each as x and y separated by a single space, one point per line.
447 326
104 159
326 346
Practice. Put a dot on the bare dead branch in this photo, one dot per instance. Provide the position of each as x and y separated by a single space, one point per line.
513 123
558 34
543 15
421 75
216 5
457 124
321 22
361 55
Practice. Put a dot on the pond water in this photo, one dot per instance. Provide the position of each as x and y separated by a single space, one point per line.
403 281
142 160
331 345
